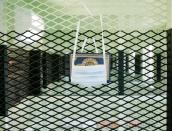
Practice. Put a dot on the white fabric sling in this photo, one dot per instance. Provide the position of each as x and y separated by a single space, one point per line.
91 75
85 41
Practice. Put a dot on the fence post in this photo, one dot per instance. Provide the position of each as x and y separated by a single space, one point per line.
138 64
63 60
67 64
114 60
3 79
121 72
35 72
55 67
44 69
169 82
126 63
158 67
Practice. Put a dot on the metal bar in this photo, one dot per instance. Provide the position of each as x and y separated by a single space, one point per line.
116 61
67 65
169 82
126 63
44 69
158 67
55 67
137 64
63 65
35 72
3 79
49 68
121 72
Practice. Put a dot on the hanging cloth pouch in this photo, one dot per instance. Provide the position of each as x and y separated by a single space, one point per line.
89 69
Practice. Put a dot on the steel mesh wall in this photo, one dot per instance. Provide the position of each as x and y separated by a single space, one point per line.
40 96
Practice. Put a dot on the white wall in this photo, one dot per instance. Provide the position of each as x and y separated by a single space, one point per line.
23 19
123 14
2 25
108 7
170 13
26 19
132 14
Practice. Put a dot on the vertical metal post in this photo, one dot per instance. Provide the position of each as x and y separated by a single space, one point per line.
158 67
67 65
63 65
121 72
49 68
55 67
169 81
3 79
35 72
44 69
138 64
126 63
115 61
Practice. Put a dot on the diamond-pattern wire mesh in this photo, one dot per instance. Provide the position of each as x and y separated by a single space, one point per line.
62 14
61 105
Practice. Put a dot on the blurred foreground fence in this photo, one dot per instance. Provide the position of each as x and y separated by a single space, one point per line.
36 92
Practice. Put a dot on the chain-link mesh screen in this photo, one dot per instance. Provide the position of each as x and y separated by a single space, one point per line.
40 96
36 40
20 15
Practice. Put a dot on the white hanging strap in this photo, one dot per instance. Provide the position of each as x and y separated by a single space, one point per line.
103 45
83 46
86 8
95 45
85 41
76 41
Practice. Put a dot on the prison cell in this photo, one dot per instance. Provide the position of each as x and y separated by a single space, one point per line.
36 40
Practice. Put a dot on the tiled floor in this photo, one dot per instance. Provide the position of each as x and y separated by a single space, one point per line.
56 107
131 87
45 113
